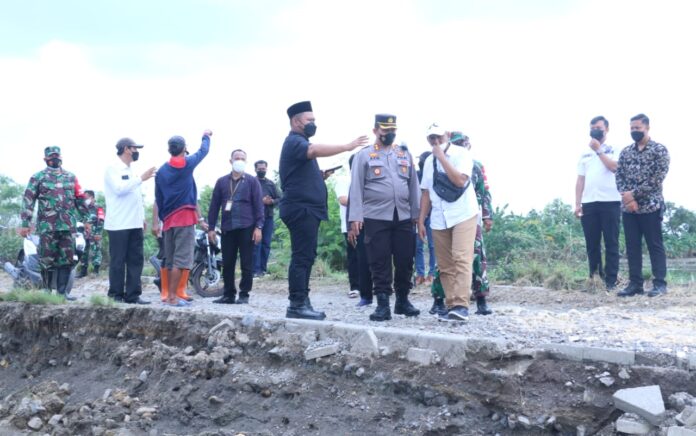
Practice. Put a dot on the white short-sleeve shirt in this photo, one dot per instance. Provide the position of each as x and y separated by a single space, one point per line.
600 183
445 215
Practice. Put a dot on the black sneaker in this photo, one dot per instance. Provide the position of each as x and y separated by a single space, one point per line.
138 301
458 313
243 299
631 290
482 307
657 291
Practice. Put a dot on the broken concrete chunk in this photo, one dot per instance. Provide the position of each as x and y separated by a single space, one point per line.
630 423
687 417
624 375
645 401
314 352
679 400
365 343
607 381
421 356
225 324
680 431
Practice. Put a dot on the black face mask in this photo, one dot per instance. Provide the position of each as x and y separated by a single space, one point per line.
388 139
54 162
260 174
637 136
597 134
309 129
135 155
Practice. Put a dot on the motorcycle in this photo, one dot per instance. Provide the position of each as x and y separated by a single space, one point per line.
26 270
206 274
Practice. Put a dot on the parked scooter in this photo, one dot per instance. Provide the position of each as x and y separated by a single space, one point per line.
26 270
206 274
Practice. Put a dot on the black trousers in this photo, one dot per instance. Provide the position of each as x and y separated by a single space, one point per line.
648 226
126 264
234 242
304 232
601 219
352 264
388 242
364 274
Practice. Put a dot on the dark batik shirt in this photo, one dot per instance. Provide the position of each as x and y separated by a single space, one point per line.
643 173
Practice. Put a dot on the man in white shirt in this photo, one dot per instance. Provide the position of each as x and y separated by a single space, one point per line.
124 222
453 222
598 203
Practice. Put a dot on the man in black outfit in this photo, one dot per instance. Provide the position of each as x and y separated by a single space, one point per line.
303 205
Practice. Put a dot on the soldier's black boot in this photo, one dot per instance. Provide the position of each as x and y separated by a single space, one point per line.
308 303
302 311
403 306
481 306
47 279
62 280
82 273
438 307
382 311
95 270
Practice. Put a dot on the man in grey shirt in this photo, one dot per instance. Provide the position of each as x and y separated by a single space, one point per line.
384 203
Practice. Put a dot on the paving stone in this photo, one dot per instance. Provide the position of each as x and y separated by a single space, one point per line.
421 356
320 351
630 423
645 401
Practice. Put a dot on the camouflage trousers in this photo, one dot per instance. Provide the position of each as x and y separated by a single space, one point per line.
92 254
56 249
479 284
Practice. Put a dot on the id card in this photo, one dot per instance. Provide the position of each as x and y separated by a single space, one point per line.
228 206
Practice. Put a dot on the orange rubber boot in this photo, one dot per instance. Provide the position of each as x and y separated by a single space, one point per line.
181 288
164 282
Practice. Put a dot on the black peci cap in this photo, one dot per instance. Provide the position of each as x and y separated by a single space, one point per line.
298 108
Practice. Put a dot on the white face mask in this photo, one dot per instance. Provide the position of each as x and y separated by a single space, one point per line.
88 201
238 166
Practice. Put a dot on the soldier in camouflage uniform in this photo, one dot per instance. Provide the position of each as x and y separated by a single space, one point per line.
60 198
93 237
479 284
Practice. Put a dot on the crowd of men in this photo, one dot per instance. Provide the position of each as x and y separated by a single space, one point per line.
390 207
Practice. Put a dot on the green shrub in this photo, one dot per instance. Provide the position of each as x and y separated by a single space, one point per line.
32 297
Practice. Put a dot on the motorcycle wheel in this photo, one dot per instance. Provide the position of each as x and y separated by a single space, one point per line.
207 283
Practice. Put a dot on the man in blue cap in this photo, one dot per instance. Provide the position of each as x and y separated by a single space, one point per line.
303 205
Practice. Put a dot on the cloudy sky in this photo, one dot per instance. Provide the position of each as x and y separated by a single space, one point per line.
521 78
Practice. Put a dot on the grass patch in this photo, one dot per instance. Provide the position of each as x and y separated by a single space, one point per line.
101 300
32 297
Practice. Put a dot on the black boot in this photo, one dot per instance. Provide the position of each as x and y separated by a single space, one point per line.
481 306
303 311
82 273
47 279
403 306
438 307
95 270
308 303
62 280
382 312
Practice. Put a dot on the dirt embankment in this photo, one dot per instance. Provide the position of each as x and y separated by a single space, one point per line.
117 371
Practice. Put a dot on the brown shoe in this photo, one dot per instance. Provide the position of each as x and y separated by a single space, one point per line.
429 280
420 280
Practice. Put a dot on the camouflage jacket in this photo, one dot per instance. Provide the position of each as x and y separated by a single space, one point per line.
96 219
483 193
60 198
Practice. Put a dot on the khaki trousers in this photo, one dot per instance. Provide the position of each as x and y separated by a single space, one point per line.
454 250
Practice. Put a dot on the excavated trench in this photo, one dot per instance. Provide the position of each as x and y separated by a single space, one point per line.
69 370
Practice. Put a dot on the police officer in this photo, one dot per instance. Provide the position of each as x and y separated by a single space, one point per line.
93 237
59 196
303 205
384 201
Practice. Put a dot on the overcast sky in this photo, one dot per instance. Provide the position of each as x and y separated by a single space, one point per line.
521 78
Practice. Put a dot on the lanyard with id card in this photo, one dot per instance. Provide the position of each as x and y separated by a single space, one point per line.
230 201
